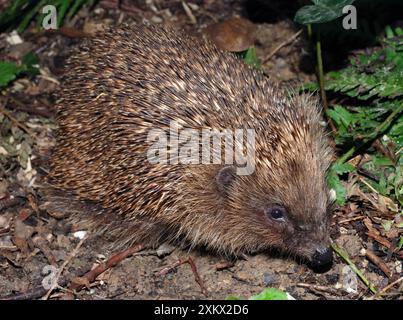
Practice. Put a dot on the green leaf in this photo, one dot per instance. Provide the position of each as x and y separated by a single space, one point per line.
322 11
29 61
341 116
340 168
389 32
400 245
399 31
381 161
8 72
266 294
387 224
334 182
270 294
251 58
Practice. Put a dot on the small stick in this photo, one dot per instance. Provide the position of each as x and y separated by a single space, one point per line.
102 267
351 219
18 105
65 263
281 45
194 270
17 123
89 275
320 288
378 262
42 245
368 185
31 294
381 292
38 291
384 242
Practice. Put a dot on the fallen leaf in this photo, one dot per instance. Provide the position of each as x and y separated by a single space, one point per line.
234 34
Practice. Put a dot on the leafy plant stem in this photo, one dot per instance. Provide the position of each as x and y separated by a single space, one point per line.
309 29
321 78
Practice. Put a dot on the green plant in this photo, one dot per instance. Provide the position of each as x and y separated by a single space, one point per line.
321 11
374 84
15 144
376 81
250 57
266 294
10 70
21 12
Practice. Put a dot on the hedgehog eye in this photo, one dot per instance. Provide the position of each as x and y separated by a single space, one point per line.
275 213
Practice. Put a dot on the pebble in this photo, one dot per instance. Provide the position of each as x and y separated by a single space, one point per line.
164 250
268 279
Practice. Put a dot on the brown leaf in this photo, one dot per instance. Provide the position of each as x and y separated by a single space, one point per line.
22 230
81 281
386 204
371 229
24 214
20 243
234 34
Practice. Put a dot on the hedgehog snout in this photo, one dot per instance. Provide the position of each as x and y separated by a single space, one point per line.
322 257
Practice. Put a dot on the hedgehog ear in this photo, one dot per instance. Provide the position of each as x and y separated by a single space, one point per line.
225 178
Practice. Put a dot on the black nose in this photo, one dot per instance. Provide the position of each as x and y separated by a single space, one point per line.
322 257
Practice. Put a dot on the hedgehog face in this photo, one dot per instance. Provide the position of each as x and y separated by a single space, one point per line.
281 209
304 234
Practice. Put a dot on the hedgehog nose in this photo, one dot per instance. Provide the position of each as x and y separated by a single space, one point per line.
322 257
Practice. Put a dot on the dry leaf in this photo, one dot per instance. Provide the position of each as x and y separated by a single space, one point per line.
234 34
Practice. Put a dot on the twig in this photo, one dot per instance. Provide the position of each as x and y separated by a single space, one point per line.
29 295
20 106
350 219
38 291
378 262
381 292
367 174
15 121
194 270
320 288
320 75
101 268
90 275
42 245
368 185
281 45
322 81
65 263
384 242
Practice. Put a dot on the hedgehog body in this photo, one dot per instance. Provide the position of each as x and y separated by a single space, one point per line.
129 81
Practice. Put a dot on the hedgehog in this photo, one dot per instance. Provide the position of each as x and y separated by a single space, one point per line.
125 85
